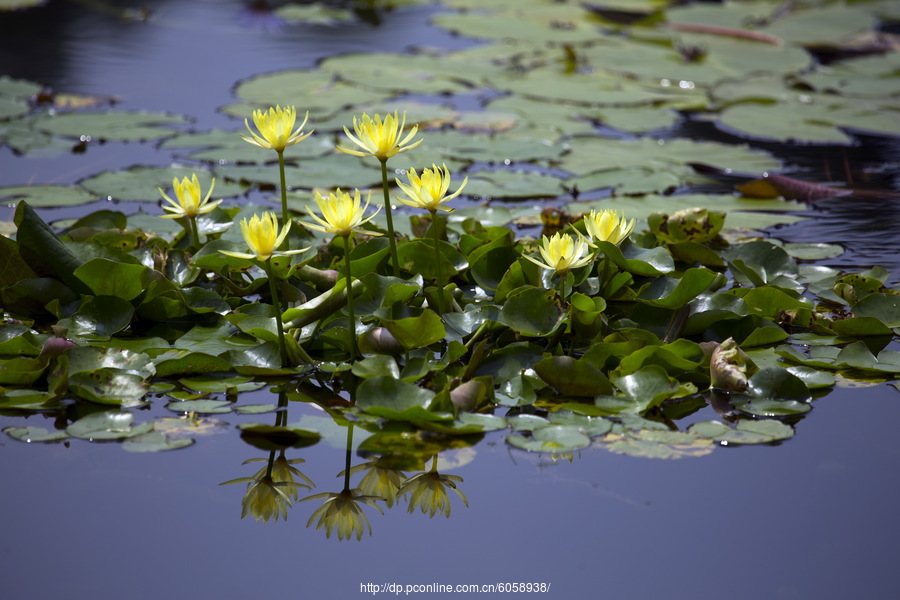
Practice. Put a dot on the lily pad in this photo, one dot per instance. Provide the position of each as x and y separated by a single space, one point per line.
35 434
108 425
120 126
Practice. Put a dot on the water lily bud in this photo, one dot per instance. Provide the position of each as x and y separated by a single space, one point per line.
379 341
54 346
468 395
729 367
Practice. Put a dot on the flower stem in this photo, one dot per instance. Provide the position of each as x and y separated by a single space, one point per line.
348 457
276 301
395 262
437 262
195 233
271 464
350 313
284 206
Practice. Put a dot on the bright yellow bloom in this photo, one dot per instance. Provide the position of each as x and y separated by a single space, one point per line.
378 138
276 128
263 237
563 252
188 193
430 190
607 225
341 213
342 511
429 492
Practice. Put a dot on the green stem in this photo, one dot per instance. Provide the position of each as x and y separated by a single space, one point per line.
604 276
437 263
195 234
276 302
479 333
271 464
562 284
395 262
285 217
350 313
348 457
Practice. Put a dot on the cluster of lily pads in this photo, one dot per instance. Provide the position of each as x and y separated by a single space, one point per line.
620 328
596 334
644 326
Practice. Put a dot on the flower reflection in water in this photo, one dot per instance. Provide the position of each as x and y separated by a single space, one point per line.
429 491
380 481
272 490
342 511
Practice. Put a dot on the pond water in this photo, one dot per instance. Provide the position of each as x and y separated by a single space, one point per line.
812 517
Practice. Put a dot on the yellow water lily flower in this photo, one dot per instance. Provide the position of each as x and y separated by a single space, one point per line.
563 252
342 512
607 225
276 128
341 213
188 192
429 191
380 138
263 237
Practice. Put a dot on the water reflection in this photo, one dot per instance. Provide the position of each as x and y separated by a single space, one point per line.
275 488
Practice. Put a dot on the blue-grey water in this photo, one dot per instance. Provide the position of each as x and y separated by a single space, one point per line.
814 517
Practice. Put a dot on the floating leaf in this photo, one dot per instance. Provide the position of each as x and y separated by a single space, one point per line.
154 441
35 434
656 443
108 425
745 432
120 126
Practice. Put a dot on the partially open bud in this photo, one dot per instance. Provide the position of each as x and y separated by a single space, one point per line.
56 345
379 341
729 367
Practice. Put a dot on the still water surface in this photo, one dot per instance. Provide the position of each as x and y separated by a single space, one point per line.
814 517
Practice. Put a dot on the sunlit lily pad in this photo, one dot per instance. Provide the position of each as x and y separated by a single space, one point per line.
320 91
551 438
48 195
557 24
108 425
745 432
206 407
117 126
141 183
314 14
657 443
213 383
154 441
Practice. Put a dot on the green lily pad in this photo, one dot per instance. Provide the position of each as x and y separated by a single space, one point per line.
119 126
745 432
572 377
154 441
397 400
657 443
532 311
35 434
48 195
551 439
206 407
108 425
